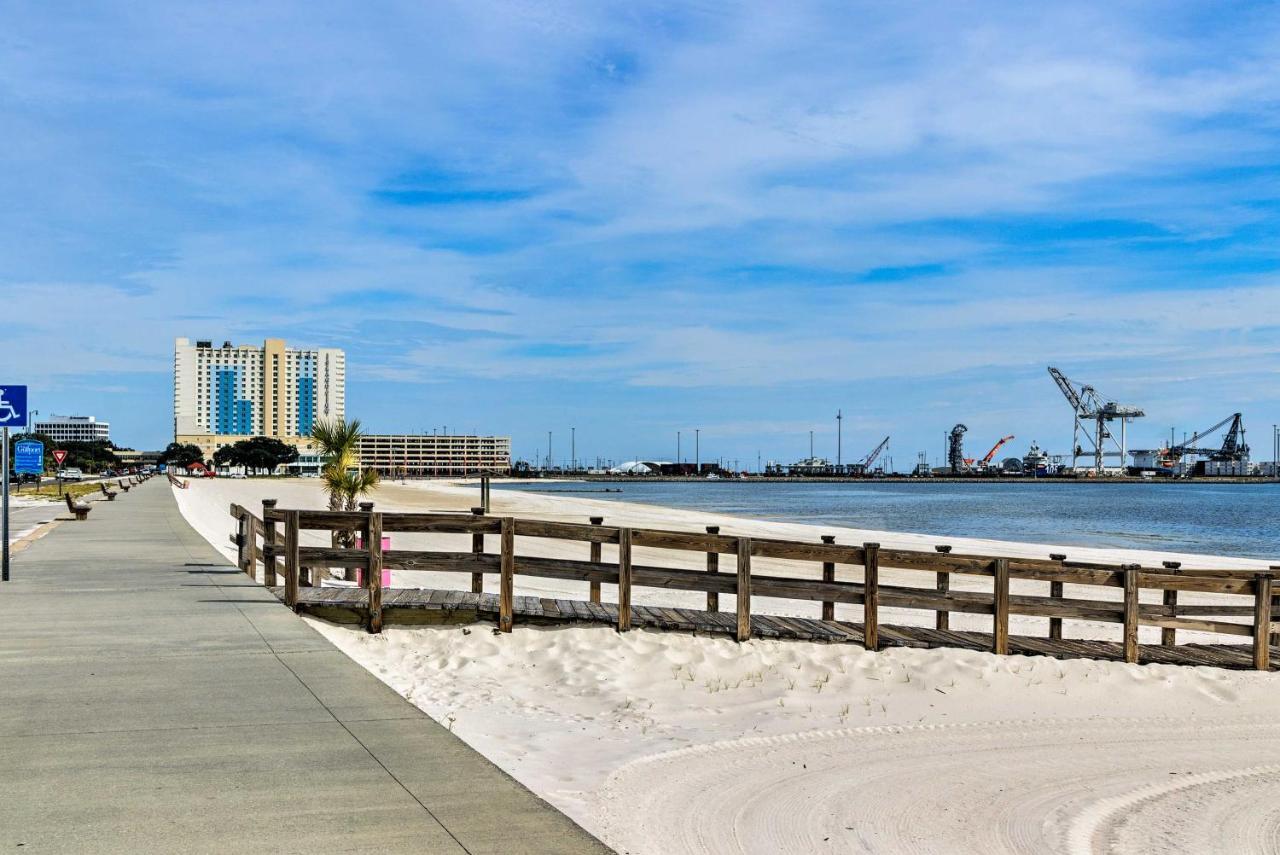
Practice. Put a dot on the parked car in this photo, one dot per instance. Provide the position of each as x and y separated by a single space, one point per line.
71 474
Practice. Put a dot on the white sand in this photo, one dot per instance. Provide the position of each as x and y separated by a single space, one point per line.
664 742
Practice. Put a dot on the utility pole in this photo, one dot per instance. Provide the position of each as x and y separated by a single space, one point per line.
573 449
811 446
839 438
548 466
697 450
679 460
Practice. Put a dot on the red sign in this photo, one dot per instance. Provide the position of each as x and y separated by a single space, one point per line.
59 456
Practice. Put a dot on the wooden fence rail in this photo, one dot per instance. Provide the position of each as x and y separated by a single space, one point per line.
281 551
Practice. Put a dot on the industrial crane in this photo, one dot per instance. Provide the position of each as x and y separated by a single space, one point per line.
865 465
986 461
1088 406
1233 446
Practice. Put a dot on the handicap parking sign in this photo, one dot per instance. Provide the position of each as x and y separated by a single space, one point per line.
13 406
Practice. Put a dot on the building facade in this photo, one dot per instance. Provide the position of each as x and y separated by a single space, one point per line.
435 456
224 394
73 429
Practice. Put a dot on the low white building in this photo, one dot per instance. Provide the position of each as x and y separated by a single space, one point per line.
74 429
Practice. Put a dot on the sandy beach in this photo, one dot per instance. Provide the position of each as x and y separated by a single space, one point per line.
666 742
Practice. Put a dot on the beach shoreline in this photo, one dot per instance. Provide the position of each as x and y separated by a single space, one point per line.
652 720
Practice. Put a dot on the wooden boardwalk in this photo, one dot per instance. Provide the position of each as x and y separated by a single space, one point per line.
414 606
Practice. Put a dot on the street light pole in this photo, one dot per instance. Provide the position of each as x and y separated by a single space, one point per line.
573 449
839 438
697 450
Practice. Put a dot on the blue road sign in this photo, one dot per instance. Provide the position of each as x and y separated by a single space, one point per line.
28 457
13 406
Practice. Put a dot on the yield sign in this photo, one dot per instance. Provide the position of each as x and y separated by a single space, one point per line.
59 456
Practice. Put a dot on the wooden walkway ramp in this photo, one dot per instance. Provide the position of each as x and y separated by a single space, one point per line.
419 607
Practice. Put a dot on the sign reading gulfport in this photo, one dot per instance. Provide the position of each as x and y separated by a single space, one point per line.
28 457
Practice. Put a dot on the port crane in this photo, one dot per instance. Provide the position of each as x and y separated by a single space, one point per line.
865 464
986 461
1092 416
1233 446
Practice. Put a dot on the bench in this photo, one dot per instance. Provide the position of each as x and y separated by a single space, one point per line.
110 494
123 485
80 509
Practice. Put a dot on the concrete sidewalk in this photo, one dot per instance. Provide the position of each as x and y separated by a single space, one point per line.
153 699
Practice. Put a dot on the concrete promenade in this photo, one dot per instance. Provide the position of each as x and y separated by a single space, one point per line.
153 699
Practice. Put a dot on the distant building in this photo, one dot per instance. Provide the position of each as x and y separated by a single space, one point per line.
74 429
224 394
435 456
130 457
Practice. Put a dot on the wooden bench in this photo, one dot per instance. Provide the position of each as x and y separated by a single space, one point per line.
80 509
110 494
123 485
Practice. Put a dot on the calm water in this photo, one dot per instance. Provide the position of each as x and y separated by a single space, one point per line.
1223 519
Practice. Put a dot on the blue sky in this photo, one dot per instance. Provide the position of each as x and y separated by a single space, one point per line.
640 218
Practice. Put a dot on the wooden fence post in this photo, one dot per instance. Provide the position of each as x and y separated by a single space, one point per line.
477 548
624 580
242 526
596 558
1262 622
942 620
251 551
507 580
1169 635
713 566
1275 636
1000 622
742 594
1131 612
871 602
291 560
828 575
373 570
1055 592
268 545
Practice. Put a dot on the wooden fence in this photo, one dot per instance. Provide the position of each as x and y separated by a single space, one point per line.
281 554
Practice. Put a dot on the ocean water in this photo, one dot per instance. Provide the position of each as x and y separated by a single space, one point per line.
1221 519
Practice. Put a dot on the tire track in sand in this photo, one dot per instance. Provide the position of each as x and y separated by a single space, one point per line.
1008 786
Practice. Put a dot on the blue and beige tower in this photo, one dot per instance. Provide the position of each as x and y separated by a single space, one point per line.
224 394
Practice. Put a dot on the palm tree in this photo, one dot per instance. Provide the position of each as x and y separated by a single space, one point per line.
339 441
341 475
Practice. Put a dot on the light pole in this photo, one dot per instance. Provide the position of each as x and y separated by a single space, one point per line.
697 450
811 447
573 449
679 462
839 438
548 466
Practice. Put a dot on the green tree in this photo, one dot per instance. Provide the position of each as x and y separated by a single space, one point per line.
256 454
340 474
178 454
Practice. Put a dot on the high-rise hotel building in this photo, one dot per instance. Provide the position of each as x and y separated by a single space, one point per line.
225 394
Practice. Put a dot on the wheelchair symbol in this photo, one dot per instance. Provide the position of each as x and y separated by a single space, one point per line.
7 412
